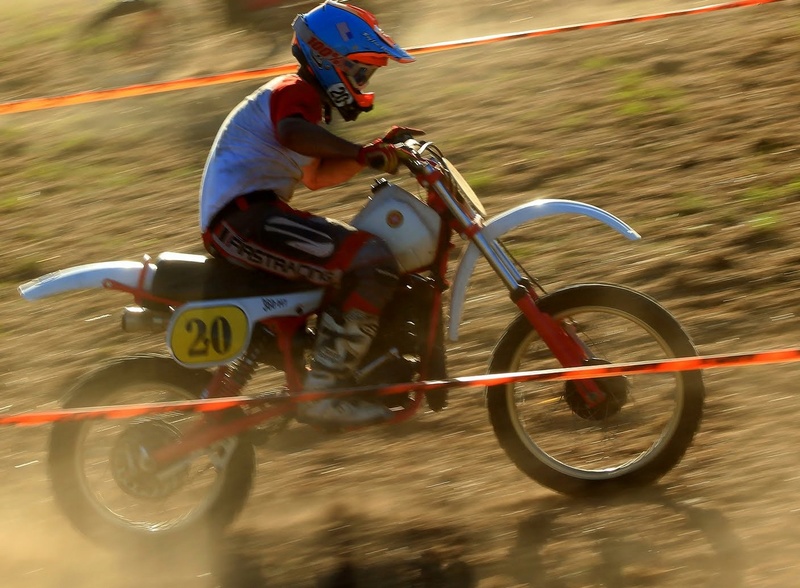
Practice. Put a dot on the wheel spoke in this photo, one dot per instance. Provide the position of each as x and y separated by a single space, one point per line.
642 426
106 482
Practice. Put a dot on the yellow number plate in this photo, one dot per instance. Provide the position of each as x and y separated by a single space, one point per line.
209 335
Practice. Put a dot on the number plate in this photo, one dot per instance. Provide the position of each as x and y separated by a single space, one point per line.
210 335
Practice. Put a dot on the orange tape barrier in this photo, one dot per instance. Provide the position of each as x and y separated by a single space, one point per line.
140 90
680 364
580 27
238 76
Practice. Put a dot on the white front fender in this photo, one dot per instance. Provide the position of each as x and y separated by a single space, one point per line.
511 219
83 277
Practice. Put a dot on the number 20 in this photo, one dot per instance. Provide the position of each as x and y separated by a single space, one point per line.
218 337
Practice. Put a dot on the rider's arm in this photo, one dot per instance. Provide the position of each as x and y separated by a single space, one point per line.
321 173
334 158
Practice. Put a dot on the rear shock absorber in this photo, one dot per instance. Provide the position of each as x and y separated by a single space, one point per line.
231 378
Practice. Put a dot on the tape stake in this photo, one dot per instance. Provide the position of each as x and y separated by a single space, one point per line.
679 364
33 104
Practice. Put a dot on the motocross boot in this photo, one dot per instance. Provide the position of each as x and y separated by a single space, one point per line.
338 350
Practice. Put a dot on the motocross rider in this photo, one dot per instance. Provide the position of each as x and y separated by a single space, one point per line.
272 141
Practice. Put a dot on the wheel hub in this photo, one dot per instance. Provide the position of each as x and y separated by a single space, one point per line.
132 467
614 388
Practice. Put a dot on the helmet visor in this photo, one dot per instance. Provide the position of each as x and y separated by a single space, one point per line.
358 74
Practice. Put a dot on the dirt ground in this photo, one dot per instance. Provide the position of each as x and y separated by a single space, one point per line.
687 128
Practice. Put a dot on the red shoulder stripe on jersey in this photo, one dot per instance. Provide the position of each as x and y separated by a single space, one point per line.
292 96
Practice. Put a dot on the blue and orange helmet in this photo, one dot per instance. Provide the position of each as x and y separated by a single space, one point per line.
341 46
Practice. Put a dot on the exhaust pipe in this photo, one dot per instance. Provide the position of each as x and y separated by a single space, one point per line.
136 319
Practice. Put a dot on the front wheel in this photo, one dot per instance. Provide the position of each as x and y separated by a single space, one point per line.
643 427
99 477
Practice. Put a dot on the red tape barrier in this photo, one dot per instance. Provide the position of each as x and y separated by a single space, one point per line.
238 76
680 364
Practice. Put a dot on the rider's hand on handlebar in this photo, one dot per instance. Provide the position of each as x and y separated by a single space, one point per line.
380 156
400 134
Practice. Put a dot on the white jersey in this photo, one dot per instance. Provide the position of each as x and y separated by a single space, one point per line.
246 155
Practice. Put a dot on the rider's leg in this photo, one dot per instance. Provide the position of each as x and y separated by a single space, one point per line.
344 335
264 233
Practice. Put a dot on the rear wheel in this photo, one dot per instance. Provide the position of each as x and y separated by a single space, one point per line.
641 429
100 477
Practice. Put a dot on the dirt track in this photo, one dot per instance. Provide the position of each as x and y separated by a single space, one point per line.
687 128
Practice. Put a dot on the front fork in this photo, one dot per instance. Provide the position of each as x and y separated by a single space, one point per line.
560 337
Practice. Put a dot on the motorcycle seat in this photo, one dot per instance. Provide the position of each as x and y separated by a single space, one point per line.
188 278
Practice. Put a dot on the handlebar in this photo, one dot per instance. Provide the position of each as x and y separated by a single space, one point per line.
410 154
448 183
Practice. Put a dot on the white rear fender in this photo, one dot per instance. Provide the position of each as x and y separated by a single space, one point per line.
85 277
511 219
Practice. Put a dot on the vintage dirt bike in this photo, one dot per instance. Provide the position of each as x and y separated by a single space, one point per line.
173 474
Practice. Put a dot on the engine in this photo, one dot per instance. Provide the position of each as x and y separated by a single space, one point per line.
400 345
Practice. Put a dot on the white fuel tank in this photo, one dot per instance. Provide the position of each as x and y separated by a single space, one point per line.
409 226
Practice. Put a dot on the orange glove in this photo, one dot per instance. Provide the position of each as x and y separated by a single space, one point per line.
380 156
